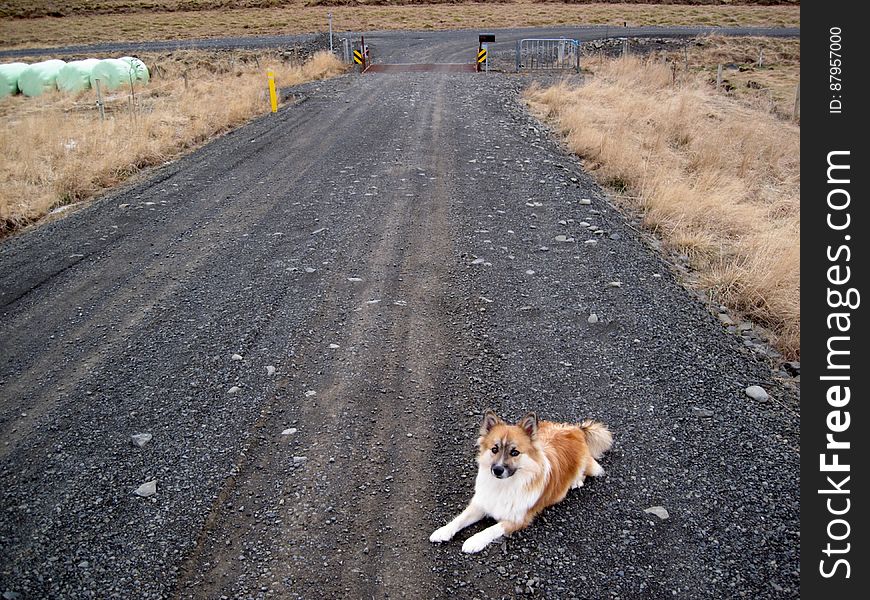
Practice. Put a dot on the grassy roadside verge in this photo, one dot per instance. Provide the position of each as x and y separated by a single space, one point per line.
56 151
714 175
297 16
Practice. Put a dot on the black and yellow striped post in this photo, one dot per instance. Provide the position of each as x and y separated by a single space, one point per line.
483 42
359 56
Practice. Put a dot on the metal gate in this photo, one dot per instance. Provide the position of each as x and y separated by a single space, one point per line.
535 54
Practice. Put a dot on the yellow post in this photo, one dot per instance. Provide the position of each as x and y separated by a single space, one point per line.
273 96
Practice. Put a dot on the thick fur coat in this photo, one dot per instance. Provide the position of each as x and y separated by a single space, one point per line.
523 469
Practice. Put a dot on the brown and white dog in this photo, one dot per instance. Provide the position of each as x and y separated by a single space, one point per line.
524 468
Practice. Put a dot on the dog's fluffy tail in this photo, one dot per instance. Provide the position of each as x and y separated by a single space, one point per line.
598 437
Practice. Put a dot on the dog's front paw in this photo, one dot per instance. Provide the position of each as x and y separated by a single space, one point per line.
442 534
476 543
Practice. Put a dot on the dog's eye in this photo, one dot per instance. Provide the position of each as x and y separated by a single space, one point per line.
515 452
495 449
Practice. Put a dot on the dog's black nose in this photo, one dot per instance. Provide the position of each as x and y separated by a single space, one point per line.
497 470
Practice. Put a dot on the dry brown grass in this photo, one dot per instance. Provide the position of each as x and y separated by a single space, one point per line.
55 150
294 16
767 86
64 8
716 179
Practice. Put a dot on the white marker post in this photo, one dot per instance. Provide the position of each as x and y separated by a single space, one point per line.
330 32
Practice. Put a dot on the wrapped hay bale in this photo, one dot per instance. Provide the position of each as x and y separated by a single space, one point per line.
139 68
112 73
75 76
40 77
9 74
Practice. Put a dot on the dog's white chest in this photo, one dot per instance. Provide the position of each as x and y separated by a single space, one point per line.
503 499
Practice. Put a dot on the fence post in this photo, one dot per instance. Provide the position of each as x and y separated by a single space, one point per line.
518 55
100 101
132 97
796 111
761 57
330 33
718 77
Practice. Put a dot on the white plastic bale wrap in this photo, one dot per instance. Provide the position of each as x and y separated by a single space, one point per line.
75 76
40 77
138 67
9 74
112 73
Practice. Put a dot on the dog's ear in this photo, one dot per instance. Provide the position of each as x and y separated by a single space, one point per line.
529 424
490 420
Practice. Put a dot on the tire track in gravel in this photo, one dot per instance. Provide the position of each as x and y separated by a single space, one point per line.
157 275
368 414
395 563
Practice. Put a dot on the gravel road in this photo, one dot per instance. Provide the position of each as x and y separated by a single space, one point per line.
403 46
310 315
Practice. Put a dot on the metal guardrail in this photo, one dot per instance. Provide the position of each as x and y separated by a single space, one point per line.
550 54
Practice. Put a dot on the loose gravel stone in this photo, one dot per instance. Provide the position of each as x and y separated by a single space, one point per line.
660 511
592 318
140 439
147 489
757 393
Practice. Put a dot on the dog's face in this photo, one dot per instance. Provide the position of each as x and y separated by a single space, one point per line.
505 449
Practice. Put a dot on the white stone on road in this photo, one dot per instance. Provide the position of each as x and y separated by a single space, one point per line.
758 393
147 489
140 439
660 511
